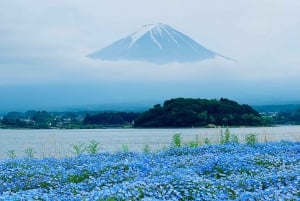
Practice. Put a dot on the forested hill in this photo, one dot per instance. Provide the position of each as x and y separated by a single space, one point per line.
188 112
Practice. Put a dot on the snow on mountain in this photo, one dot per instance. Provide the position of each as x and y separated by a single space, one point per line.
156 43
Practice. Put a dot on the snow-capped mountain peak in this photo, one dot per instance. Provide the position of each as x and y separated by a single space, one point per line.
157 43
142 31
154 30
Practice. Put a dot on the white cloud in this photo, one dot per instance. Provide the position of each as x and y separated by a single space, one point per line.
47 41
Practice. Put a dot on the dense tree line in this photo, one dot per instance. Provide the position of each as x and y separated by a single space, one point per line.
287 117
188 112
111 118
46 120
30 119
41 120
178 112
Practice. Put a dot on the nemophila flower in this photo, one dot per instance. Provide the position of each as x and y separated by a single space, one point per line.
267 171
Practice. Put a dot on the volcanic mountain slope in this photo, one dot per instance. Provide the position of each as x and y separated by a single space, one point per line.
156 43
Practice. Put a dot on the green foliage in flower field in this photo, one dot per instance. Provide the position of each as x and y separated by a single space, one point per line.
147 148
78 149
11 154
176 140
29 152
228 137
207 141
251 139
92 147
125 148
230 171
193 143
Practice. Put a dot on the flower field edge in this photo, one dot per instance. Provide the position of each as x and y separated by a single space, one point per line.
262 171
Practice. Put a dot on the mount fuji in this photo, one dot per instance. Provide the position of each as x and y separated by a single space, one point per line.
156 43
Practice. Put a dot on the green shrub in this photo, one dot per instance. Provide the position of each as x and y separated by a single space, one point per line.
194 143
207 141
78 149
77 178
109 199
251 139
29 152
146 148
235 139
228 137
176 140
11 154
125 148
92 147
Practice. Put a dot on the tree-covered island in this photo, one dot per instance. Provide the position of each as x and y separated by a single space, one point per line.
189 112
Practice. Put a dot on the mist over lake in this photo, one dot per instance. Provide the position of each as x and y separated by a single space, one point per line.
57 143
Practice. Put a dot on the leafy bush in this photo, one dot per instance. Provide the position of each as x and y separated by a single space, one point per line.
78 149
225 139
29 152
147 148
228 137
207 141
194 143
176 140
125 148
11 154
251 139
92 147
235 139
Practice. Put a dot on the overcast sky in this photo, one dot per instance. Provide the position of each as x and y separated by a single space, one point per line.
45 42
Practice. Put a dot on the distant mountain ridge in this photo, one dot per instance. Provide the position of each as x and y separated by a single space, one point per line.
156 43
277 108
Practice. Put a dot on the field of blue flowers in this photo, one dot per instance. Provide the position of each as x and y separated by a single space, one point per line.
262 171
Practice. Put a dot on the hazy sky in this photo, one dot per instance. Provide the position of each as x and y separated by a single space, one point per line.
46 43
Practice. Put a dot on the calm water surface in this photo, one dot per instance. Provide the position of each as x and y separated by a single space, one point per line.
57 143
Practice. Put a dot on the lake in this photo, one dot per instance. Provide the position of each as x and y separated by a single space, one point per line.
57 143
